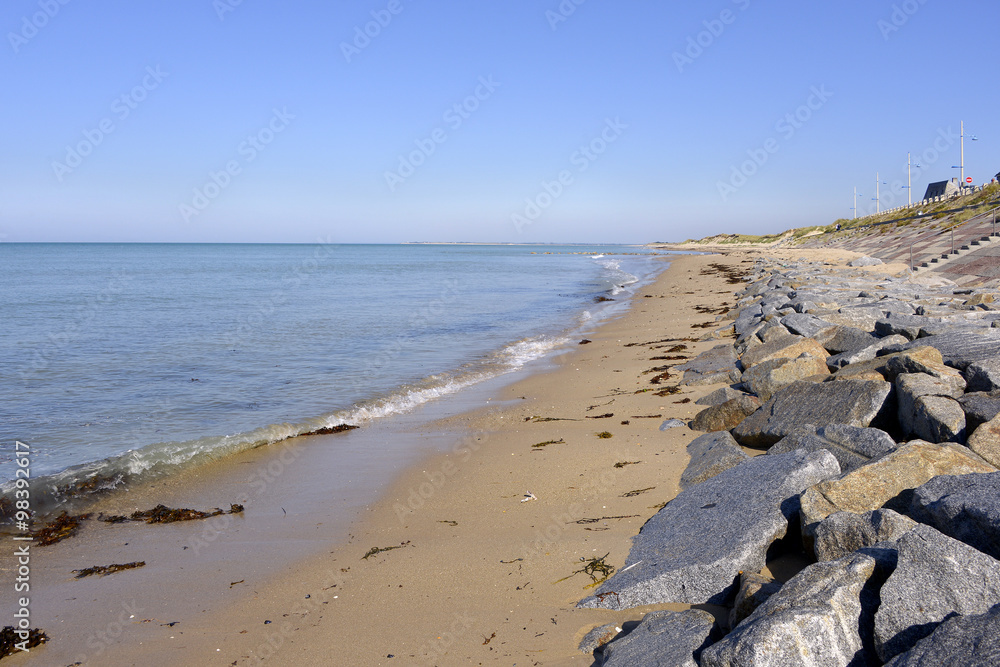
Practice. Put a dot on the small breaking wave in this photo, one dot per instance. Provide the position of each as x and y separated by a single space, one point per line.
52 492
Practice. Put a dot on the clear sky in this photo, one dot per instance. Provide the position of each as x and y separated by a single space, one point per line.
480 120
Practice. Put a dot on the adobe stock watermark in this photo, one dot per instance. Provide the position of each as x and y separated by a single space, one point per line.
223 7
581 159
454 117
100 641
786 127
363 35
274 640
435 480
565 9
247 151
295 277
945 139
900 16
39 358
31 25
697 44
121 108
429 313
434 650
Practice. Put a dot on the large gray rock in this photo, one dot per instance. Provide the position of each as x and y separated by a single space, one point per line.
864 354
938 419
843 533
692 550
927 360
985 441
813 621
768 377
783 346
966 641
922 358
663 639
719 396
711 454
851 402
862 317
935 576
805 325
961 349
900 324
725 416
852 445
886 481
926 407
980 407
754 591
840 339
966 507
598 637
865 261
983 375
715 366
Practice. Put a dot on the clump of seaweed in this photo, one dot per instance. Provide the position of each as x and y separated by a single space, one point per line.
604 435
606 415
105 570
657 379
329 430
598 569
668 391
606 518
374 551
57 530
637 492
92 485
7 510
539 445
11 641
622 464
164 514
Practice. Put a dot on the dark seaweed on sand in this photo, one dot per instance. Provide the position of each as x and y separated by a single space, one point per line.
9 640
105 570
59 529
329 430
164 514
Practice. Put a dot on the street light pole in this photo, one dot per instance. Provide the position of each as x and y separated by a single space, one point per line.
878 203
962 163
909 185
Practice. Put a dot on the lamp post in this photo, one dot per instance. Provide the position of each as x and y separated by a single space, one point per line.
961 167
878 203
909 183
876 198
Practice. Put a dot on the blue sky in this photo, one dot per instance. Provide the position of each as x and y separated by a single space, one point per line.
540 121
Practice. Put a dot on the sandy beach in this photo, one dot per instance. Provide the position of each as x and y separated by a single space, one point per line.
475 554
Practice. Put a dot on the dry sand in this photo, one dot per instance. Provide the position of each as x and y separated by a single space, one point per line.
472 574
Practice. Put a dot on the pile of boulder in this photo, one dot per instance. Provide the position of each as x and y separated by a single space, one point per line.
876 399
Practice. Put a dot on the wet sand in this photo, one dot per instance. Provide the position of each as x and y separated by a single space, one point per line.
467 572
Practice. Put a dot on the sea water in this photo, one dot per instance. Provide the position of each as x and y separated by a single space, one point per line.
126 361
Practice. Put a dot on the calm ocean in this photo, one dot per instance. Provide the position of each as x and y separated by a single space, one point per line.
124 361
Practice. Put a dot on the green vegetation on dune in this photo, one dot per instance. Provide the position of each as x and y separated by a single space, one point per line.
942 215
